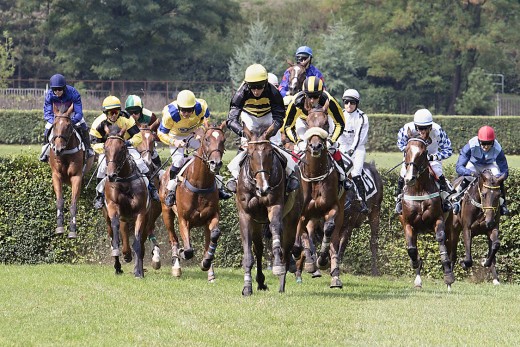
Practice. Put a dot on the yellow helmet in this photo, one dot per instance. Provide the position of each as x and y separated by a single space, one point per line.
186 99
255 73
313 86
111 102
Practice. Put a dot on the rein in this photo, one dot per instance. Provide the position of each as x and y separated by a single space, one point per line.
479 204
420 170
66 139
252 178
119 166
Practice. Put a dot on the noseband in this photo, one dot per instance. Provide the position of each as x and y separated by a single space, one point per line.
119 166
66 139
206 155
420 168
252 178
479 204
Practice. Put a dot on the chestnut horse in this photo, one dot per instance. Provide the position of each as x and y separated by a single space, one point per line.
323 200
127 201
354 219
422 207
68 165
146 150
197 201
261 200
479 215
297 75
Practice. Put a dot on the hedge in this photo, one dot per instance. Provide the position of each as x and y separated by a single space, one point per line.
27 223
26 127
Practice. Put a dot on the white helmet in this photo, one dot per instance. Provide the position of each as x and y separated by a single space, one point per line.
423 117
351 94
271 78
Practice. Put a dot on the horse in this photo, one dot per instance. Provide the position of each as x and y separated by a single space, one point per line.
297 75
479 215
68 166
323 200
146 149
354 219
197 200
422 207
261 200
127 201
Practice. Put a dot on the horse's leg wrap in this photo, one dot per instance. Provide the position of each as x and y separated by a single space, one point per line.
444 255
440 236
214 236
414 255
495 246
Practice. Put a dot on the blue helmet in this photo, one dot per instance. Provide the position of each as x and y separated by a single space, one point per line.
57 81
304 50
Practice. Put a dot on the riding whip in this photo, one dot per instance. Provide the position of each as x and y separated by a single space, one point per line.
186 140
93 173
288 152
392 169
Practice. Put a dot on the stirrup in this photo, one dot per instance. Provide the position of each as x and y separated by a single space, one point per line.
99 201
363 208
223 195
231 185
504 211
170 198
90 152
292 184
399 207
456 207
153 192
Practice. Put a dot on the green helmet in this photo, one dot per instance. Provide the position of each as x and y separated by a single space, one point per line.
133 102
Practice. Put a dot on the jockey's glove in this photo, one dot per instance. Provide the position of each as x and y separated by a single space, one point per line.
433 157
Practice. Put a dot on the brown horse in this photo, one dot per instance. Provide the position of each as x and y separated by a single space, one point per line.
297 75
68 165
146 150
127 201
322 200
354 219
479 215
197 200
261 200
422 207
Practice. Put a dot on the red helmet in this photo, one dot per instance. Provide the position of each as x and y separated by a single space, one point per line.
486 133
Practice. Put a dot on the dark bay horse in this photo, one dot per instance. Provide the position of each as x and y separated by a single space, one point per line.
354 219
146 150
422 207
68 165
197 200
479 215
127 201
297 75
261 200
322 200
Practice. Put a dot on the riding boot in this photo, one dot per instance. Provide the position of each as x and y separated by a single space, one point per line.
157 161
223 194
458 194
504 211
444 186
170 198
44 155
361 191
293 183
345 183
152 190
85 137
231 185
99 200
398 195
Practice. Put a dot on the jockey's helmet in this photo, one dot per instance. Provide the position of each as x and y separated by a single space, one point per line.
134 103
186 99
111 102
255 73
486 134
351 95
57 81
313 86
271 78
304 50
423 118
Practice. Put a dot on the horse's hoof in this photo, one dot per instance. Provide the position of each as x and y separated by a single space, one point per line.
156 265
496 282
119 271
211 277
262 287
335 282
449 278
316 274
278 270
205 264
247 291
128 257
187 254
466 264
176 272
322 263
73 235
60 230
486 263
449 288
309 267
299 280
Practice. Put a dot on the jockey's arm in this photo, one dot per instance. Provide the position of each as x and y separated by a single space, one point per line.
402 139
77 107
133 134
283 88
502 163
237 103
290 121
464 157
338 117
48 113
445 151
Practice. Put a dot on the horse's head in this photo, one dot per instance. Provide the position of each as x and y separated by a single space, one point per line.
62 130
317 133
261 157
212 145
297 75
146 147
416 157
489 191
116 153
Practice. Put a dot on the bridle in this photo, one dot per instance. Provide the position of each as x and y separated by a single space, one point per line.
124 153
252 178
65 138
329 167
205 157
425 164
144 151
479 204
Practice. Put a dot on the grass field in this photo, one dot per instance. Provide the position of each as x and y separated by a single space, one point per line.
382 160
87 305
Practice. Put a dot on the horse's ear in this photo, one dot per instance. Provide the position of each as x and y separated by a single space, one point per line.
122 132
501 178
223 125
199 132
155 126
326 106
269 132
247 133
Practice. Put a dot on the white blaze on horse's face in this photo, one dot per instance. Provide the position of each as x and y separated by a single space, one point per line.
294 80
215 134
414 153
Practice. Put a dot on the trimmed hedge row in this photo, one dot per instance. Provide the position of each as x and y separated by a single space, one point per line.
26 127
27 223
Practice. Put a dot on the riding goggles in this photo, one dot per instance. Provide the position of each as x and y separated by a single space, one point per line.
487 143
256 86
187 109
134 110
314 95
422 127
57 89
301 58
349 101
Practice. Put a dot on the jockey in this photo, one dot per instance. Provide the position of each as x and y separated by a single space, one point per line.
271 78
438 150
112 115
303 58
311 96
134 107
180 118
353 140
62 94
482 152
258 105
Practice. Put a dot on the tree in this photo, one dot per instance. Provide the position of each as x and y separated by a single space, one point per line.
477 99
258 49
6 60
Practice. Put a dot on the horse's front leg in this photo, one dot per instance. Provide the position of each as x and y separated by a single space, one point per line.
258 248
76 189
138 245
493 247
247 259
114 226
58 190
329 227
415 260
169 222
440 237
467 262
125 239
184 229
275 225
211 236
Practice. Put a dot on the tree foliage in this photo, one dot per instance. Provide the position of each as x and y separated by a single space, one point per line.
6 59
477 99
